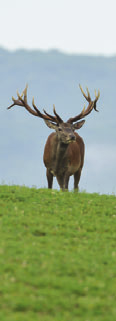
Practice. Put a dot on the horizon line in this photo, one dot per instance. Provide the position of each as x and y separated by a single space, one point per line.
58 50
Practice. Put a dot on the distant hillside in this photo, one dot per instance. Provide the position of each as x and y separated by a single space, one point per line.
53 77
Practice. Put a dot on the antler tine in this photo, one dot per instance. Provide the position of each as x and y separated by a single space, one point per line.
97 95
47 116
13 99
83 109
58 117
89 98
53 118
34 106
39 114
25 93
11 106
19 96
86 97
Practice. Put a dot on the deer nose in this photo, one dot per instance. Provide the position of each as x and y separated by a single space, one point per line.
72 137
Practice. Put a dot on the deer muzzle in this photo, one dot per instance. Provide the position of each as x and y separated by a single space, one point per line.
71 139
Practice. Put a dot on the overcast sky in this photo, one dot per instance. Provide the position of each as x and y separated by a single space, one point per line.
73 26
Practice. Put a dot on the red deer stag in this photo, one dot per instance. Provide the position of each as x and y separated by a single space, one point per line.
64 149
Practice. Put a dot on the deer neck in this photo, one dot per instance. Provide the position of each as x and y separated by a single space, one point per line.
60 158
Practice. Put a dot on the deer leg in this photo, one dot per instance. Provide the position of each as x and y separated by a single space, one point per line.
77 176
63 181
66 181
60 180
49 178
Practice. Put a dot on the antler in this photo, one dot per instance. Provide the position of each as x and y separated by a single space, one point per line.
85 112
59 119
22 101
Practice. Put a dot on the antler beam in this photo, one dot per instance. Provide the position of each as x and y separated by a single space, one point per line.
22 101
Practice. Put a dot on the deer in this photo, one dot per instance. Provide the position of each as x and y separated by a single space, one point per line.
64 149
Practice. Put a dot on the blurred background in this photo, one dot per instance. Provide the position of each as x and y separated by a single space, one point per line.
53 46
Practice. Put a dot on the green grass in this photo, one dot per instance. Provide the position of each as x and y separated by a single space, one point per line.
57 255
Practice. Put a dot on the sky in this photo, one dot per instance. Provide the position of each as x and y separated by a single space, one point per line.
71 26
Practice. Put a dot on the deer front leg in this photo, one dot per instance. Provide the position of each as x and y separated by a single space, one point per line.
66 181
60 180
77 176
49 178
63 181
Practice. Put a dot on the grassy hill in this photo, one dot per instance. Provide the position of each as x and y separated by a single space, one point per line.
57 255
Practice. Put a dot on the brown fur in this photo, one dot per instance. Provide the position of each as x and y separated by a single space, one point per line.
70 162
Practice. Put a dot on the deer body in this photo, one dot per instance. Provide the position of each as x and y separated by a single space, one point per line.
63 160
64 149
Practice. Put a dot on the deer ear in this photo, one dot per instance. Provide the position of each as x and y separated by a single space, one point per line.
79 124
50 124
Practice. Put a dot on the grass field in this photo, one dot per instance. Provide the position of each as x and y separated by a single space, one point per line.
57 255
